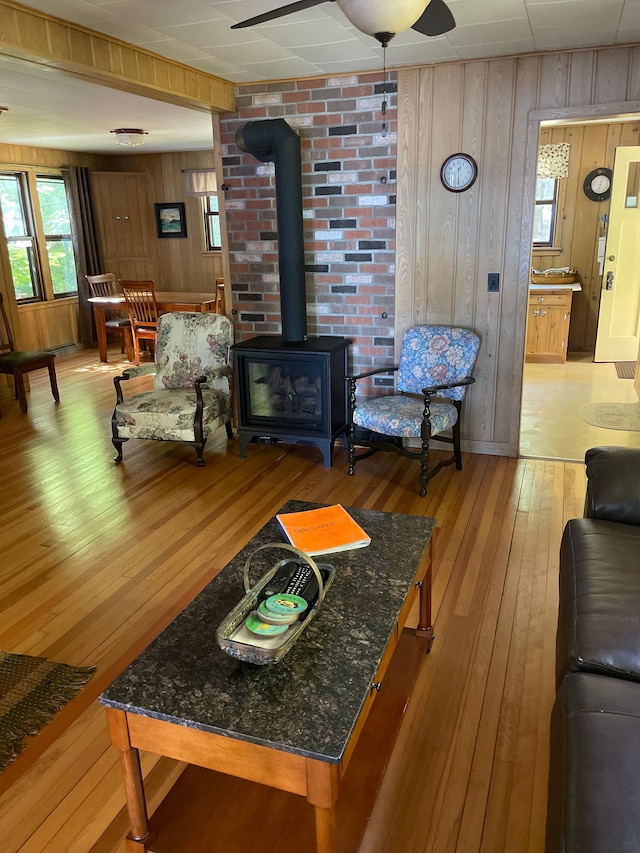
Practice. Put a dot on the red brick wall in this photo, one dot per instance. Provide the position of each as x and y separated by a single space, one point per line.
348 189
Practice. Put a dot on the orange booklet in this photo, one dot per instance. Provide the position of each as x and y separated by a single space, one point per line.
323 531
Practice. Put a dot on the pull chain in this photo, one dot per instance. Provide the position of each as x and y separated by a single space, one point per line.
384 90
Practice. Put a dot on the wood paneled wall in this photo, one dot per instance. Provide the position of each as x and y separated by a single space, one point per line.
180 264
447 243
47 324
592 146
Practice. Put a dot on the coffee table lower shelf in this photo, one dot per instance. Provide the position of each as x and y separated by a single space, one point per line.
212 811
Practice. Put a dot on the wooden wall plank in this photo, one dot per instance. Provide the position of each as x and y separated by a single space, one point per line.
500 102
612 74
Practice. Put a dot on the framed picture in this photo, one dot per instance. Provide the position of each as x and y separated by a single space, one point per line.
170 219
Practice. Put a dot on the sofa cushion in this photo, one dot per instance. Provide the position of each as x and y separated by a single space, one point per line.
613 484
594 795
599 614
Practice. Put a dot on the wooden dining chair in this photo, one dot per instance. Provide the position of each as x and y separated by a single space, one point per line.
105 284
219 306
140 297
16 363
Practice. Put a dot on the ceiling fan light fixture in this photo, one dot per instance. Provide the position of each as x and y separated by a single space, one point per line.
381 16
130 136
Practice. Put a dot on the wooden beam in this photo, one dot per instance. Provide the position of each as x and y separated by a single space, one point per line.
34 36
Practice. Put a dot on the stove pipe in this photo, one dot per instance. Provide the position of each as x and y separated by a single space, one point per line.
274 140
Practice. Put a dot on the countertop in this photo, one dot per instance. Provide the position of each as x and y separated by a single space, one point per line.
576 287
308 702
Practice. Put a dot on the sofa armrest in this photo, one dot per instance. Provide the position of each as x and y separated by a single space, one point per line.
613 484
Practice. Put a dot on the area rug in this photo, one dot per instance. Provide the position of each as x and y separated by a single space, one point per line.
32 691
625 416
625 369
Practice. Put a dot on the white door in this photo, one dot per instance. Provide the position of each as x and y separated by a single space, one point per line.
618 332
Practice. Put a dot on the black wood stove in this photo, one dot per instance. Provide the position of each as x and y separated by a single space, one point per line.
292 392
289 388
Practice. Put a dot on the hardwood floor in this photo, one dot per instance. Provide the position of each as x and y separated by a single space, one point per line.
97 558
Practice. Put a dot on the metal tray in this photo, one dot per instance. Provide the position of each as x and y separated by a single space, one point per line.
274 649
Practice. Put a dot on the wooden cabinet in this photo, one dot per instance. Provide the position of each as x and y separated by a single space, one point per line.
125 226
548 321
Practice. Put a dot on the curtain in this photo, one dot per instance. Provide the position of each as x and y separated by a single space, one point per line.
200 182
553 160
85 243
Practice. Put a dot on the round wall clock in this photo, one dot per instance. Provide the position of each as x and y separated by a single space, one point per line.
458 172
597 184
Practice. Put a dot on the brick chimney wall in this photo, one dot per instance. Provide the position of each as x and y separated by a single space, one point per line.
348 187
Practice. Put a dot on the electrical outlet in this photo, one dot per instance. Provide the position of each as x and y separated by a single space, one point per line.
493 282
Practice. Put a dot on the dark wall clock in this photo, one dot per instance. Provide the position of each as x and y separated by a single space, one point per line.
458 172
597 184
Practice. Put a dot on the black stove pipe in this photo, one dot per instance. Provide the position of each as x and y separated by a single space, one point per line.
274 140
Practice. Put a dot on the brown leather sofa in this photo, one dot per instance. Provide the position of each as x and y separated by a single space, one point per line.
594 773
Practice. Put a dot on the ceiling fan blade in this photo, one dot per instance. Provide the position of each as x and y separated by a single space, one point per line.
278 13
435 20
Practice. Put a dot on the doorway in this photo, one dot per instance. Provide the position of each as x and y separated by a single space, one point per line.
551 425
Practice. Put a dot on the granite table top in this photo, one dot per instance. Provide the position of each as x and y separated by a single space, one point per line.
308 702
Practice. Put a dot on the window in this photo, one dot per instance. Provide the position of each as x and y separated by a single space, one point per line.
544 217
213 241
37 228
56 225
18 229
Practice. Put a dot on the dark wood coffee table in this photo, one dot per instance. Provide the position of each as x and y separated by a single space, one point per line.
294 725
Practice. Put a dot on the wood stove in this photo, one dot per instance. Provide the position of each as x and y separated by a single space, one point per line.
289 388
292 392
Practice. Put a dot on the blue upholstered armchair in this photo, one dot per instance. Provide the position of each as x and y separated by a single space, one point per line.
191 396
432 377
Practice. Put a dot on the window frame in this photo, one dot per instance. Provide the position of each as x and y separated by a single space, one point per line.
208 217
57 237
554 204
37 285
42 280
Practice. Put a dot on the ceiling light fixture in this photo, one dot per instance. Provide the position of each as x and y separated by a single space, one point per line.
130 136
382 19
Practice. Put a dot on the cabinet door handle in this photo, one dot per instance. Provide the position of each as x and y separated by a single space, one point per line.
535 312
543 313
540 298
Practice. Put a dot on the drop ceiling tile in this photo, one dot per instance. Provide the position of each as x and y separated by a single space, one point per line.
175 49
421 53
162 13
76 11
509 48
495 33
274 70
569 13
560 38
323 31
470 12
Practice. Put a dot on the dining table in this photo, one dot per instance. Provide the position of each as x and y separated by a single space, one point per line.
167 300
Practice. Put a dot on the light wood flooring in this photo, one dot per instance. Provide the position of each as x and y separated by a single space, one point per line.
97 558
551 425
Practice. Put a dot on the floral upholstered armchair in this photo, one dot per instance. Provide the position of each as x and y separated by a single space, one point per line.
432 377
191 396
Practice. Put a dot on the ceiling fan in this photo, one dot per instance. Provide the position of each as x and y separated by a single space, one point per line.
381 19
